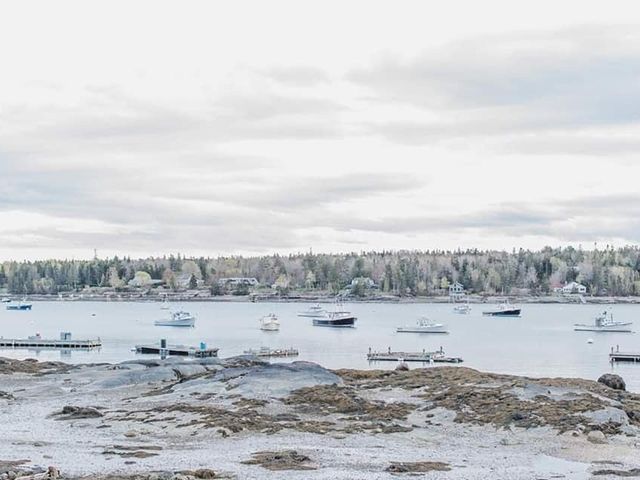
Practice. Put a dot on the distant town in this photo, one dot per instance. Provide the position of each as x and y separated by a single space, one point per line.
452 275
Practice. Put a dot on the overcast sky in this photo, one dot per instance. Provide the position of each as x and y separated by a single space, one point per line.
143 128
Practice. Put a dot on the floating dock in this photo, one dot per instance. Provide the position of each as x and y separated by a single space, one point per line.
45 343
425 357
624 357
177 350
273 352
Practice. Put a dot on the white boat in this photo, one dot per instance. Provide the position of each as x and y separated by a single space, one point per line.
272 352
270 323
165 304
604 323
178 319
5 300
424 325
313 311
463 308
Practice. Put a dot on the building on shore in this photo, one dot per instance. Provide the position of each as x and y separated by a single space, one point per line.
571 288
456 291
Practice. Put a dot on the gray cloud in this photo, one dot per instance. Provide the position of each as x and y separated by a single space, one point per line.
106 120
317 191
581 219
569 79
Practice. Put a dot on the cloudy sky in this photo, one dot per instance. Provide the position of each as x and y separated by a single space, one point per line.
250 127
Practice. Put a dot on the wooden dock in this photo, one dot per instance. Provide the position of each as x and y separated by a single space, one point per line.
177 350
46 343
624 357
424 356
273 352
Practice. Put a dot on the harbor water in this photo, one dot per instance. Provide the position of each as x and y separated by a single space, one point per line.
540 343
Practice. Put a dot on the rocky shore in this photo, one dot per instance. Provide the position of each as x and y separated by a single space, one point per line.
242 418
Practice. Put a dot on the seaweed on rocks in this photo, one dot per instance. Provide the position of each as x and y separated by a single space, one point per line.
281 460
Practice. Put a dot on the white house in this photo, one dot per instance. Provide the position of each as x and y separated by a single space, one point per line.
456 290
573 287
237 281
366 281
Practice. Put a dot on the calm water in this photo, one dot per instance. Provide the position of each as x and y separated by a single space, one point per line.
540 343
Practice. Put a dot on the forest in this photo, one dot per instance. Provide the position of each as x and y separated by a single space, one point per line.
608 271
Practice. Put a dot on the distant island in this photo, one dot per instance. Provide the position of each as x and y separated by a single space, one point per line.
404 275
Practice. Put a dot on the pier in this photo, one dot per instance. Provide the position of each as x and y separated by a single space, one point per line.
618 356
625 357
273 352
164 350
424 356
65 342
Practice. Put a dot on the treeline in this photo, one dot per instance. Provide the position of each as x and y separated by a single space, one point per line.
606 271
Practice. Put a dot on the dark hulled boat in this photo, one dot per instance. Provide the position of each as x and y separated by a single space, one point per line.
504 310
19 306
335 319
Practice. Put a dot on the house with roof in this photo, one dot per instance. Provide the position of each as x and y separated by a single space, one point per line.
456 291
571 288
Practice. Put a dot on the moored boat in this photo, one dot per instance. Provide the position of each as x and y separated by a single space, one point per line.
165 304
604 323
178 319
21 305
313 311
272 352
335 319
504 310
463 308
424 325
270 323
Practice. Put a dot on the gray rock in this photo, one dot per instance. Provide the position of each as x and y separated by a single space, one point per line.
612 380
124 378
188 370
72 412
279 380
606 415
597 437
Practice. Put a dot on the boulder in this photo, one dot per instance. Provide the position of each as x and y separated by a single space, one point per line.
612 380
596 436
72 412
402 367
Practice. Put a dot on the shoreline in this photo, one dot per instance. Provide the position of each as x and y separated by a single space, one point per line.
476 299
